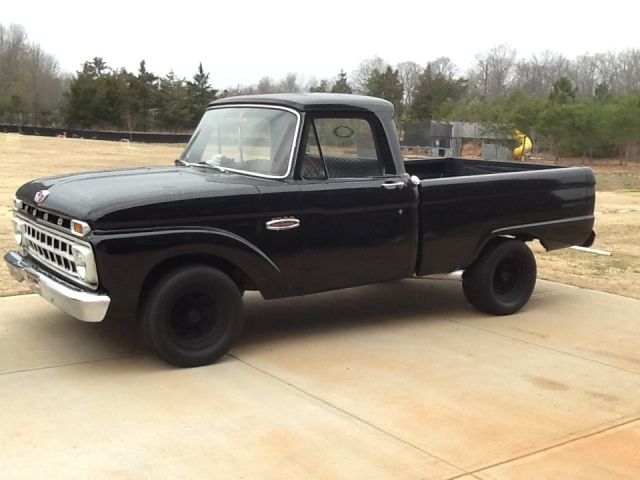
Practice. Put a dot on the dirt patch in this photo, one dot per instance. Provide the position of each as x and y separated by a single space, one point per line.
24 158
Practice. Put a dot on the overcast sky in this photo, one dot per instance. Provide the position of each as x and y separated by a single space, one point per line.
240 41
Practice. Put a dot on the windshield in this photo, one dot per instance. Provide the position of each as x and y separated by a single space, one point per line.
254 140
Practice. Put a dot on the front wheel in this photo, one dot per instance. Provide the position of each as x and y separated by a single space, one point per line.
192 316
502 279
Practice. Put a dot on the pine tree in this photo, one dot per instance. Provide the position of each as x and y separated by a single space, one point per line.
92 99
173 108
386 85
433 92
144 93
563 91
322 87
341 85
200 94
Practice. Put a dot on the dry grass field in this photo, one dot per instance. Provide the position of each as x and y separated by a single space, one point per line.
23 158
618 229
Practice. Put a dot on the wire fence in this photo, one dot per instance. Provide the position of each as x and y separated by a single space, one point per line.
144 137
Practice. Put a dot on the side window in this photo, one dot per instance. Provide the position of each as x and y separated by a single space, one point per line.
341 148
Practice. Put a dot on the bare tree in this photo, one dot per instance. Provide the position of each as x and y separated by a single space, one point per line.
583 72
536 75
265 85
12 54
443 67
494 70
289 84
629 70
362 74
31 85
315 85
607 67
234 91
44 82
409 73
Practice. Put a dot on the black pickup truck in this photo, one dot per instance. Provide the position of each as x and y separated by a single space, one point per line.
289 195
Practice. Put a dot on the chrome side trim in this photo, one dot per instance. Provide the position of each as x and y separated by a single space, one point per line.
85 306
279 224
542 224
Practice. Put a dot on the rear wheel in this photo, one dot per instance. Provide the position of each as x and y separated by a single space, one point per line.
502 279
192 316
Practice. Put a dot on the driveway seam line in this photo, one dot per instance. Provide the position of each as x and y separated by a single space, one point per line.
550 447
349 414
71 364
546 347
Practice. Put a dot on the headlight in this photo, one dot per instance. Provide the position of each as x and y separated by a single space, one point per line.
85 264
17 204
80 228
18 230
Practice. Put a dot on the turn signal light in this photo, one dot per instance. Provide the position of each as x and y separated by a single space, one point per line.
79 228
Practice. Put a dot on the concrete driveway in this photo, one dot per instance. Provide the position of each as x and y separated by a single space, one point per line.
399 381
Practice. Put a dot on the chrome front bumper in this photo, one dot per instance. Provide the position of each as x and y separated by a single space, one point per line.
85 306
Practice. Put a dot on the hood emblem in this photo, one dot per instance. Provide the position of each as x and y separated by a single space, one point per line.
41 196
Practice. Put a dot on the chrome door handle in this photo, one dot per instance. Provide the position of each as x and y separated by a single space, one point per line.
392 185
278 224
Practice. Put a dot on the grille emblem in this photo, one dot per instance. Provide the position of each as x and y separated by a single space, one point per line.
41 196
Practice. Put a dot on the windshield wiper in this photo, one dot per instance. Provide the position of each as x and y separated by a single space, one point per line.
202 163
205 163
216 167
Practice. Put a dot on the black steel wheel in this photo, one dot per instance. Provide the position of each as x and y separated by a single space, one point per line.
502 279
192 316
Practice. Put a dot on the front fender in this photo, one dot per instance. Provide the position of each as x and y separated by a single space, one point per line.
124 259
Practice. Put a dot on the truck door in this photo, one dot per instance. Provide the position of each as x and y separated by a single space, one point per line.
359 220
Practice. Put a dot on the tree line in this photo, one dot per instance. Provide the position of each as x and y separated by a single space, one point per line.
103 97
587 106
31 84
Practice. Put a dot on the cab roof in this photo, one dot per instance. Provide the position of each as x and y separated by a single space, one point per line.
313 102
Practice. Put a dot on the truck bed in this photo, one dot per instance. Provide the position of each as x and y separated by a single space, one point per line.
466 203
460 167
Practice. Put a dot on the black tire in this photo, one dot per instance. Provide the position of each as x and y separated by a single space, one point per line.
192 316
502 279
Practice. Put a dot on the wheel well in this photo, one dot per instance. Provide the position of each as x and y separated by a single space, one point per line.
239 277
523 237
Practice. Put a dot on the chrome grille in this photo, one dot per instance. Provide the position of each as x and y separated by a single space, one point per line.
55 252
52 250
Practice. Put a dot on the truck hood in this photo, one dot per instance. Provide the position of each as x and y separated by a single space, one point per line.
142 197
